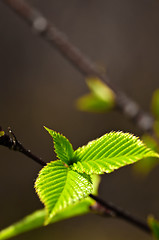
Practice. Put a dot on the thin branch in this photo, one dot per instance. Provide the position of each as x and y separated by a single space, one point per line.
44 28
110 209
102 207
12 143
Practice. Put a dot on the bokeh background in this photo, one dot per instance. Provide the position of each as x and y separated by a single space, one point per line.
39 87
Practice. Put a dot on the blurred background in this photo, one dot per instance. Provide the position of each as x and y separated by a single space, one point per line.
39 87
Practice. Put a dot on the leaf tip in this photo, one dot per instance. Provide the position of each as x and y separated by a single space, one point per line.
47 129
50 131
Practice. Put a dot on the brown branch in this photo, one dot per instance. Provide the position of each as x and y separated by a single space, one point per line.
12 143
51 34
102 207
112 210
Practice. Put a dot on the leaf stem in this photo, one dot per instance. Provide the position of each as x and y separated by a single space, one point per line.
103 207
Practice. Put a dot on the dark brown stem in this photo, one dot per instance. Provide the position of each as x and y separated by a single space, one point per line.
104 208
51 34
110 209
12 143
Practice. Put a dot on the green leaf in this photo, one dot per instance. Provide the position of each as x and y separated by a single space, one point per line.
154 225
91 103
110 152
28 223
155 103
38 218
156 128
146 165
58 187
100 89
63 147
100 99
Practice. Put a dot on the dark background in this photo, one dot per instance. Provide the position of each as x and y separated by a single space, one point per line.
39 87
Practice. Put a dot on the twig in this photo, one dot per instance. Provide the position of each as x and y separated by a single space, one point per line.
112 210
102 208
13 144
51 34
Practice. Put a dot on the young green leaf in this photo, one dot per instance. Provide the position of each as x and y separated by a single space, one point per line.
28 223
58 187
110 152
144 166
101 90
155 104
63 147
91 103
154 225
37 219
100 99
156 127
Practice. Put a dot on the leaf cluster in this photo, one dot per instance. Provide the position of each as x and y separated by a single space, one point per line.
68 180
64 185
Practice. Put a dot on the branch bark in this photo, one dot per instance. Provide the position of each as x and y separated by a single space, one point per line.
112 210
12 143
44 28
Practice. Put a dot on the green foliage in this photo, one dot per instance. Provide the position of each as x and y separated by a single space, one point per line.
64 185
156 128
110 152
146 165
155 104
58 187
155 110
63 147
66 181
38 218
100 99
91 103
154 225
28 223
